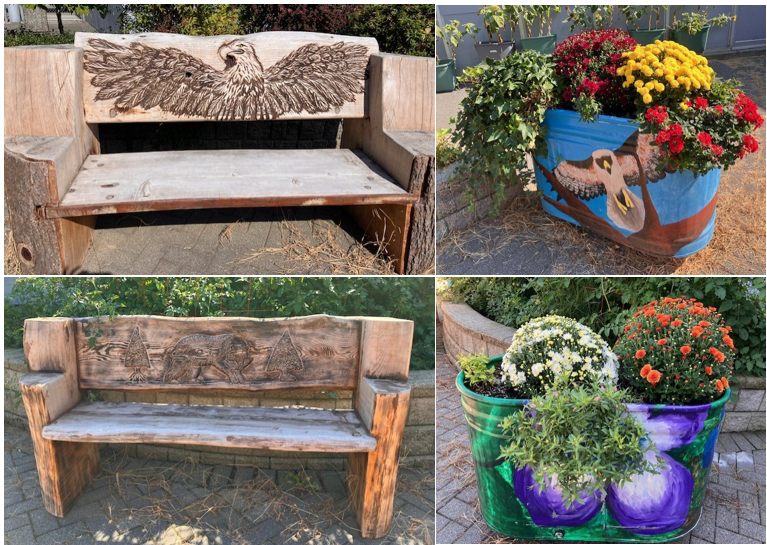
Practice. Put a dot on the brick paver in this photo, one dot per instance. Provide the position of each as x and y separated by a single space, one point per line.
733 508
164 503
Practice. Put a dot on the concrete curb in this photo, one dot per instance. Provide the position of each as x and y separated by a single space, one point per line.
467 331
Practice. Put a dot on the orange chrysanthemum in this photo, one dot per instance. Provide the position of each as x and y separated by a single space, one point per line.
676 323
696 331
645 371
640 354
653 377
725 382
704 323
662 342
708 370
685 350
719 386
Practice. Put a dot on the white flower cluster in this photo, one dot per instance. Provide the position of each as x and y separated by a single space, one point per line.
547 348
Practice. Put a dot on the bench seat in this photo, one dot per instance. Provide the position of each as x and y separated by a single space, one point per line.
285 429
170 180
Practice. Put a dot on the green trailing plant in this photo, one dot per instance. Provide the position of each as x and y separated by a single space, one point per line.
500 119
452 34
693 22
607 304
584 434
589 17
475 369
447 152
542 13
494 20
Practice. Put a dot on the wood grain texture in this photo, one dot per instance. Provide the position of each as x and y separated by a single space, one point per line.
288 429
34 165
387 225
385 348
43 97
65 469
290 75
372 477
221 353
421 246
134 182
407 99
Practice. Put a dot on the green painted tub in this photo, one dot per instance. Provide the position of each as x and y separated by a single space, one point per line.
685 436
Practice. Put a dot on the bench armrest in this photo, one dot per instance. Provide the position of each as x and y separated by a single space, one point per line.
379 402
401 116
47 396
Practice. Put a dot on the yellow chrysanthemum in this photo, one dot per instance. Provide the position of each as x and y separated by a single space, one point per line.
659 72
639 84
647 98
683 105
630 79
650 85
643 91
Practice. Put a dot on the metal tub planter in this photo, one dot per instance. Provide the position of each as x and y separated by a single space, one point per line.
648 509
602 176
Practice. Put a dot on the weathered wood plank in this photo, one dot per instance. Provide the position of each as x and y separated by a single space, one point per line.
65 469
269 75
372 477
34 166
422 242
289 429
134 182
386 347
158 353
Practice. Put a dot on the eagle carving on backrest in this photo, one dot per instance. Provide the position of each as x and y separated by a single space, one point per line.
313 78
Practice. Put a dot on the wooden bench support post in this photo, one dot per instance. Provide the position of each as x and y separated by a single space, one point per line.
65 469
372 476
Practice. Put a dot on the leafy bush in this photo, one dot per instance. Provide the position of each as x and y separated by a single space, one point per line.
15 38
404 29
606 304
330 18
261 297
554 350
190 19
500 119
677 351
584 435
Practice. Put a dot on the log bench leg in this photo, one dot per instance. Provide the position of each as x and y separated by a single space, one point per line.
372 476
43 246
65 469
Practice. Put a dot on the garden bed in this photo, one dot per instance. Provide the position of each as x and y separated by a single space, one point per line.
467 331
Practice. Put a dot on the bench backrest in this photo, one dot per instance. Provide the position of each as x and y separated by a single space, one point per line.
269 75
159 353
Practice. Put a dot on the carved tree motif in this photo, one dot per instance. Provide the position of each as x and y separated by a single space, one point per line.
136 356
227 354
285 358
314 78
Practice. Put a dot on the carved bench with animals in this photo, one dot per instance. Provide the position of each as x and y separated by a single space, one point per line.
57 182
370 356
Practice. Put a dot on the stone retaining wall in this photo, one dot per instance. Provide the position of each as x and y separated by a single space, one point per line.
417 448
467 331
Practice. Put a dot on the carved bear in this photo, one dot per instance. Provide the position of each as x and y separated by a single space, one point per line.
228 354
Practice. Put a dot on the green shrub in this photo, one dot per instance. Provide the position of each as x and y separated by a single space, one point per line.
582 434
606 304
15 38
475 368
500 119
261 297
405 29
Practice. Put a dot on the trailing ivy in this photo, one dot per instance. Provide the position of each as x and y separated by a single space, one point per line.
261 297
606 304
500 119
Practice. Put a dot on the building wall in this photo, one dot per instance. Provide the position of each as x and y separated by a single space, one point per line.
747 32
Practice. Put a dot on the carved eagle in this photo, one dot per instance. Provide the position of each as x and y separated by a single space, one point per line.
610 173
313 78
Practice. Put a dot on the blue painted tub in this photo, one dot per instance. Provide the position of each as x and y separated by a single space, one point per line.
667 214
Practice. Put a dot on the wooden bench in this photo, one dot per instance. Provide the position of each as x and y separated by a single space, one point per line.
145 353
57 182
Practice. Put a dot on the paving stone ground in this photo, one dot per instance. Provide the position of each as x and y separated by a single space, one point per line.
733 508
136 501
